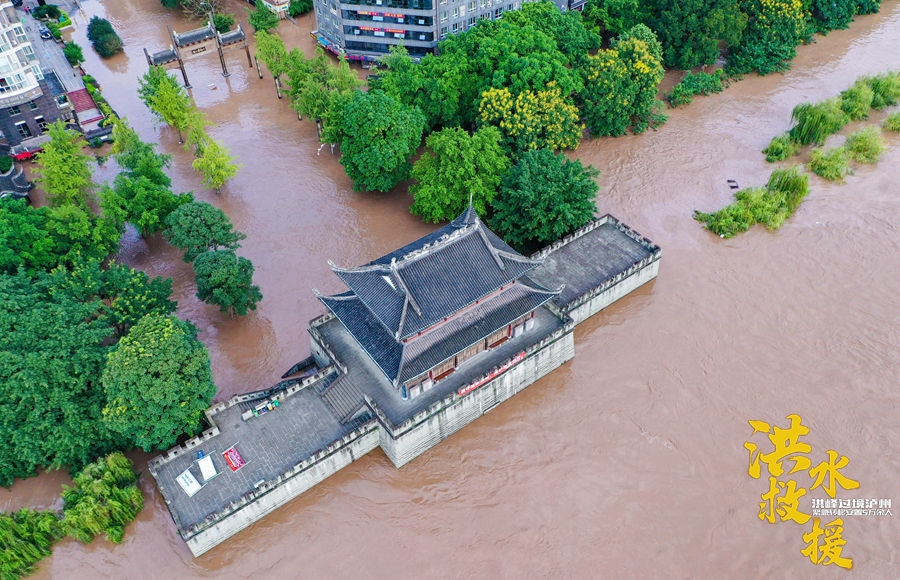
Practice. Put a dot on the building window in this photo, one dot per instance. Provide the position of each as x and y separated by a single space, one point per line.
444 369
443 32
14 111
41 123
38 73
455 27
23 130
444 16
472 6
471 21
32 105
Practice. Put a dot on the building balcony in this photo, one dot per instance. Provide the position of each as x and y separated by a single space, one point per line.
11 97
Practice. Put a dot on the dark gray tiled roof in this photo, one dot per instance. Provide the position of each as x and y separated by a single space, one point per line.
402 362
432 278
426 352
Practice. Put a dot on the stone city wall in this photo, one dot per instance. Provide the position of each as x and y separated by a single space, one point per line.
592 302
274 493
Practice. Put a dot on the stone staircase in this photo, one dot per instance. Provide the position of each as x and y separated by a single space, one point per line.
343 398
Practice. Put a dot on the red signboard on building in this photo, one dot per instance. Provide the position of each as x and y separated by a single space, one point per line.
492 375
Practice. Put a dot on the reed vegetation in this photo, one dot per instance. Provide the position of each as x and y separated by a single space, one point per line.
892 123
866 145
832 164
815 122
780 148
770 205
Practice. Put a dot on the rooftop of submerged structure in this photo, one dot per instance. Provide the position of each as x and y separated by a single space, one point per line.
456 285
591 256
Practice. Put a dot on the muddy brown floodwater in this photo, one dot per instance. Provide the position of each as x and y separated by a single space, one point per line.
626 462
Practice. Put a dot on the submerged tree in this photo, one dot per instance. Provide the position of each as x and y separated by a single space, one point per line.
456 168
199 227
226 280
378 135
543 198
158 382
215 164
166 99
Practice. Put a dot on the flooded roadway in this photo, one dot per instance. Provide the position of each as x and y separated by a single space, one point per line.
626 462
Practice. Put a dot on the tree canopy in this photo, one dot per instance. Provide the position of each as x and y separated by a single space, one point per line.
198 227
378 135
226 280
215 164
63 167
55 332
157 382
542 198
690 30
166 99
455 168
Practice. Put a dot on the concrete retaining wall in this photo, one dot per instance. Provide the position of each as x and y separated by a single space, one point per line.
600 298
275 494
406 442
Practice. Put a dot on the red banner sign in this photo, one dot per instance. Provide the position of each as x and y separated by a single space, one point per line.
492 375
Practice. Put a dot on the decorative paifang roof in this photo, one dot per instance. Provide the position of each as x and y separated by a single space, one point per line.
432 278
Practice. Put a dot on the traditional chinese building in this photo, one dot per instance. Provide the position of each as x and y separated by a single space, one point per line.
421 312
425 340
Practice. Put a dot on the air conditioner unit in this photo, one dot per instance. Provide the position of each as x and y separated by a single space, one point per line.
422 22
378 2
423 37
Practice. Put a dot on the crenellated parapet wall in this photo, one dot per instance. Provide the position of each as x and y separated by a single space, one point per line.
271 494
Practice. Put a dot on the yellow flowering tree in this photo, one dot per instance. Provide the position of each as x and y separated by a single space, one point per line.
532 119
620 89
774 30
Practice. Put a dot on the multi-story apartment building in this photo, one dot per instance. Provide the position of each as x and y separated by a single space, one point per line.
29 101
367 29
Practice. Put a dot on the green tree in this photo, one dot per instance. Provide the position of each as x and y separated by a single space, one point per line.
103 37
73 53
378 135
64 168
223 22
215 165
138 158
620 91
39 239
774 29
158 382
103 499
54 348
299 7
614 16
690 30
832 14
140 201
270 49
543 198
455 168
262 19
567 28
199 227
166 99
226 280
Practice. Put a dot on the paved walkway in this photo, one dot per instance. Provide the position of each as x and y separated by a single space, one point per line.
50 54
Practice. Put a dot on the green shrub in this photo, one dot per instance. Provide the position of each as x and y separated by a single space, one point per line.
54 30
223 22
866 145
49 11
868 6
831 164
780 148
770 205
857 100
6 163
814 123
73 53
832 14
695 84
885 89
103 38
299 7
892 123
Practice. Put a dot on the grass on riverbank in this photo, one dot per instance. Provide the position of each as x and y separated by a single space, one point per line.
770 205
832 164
